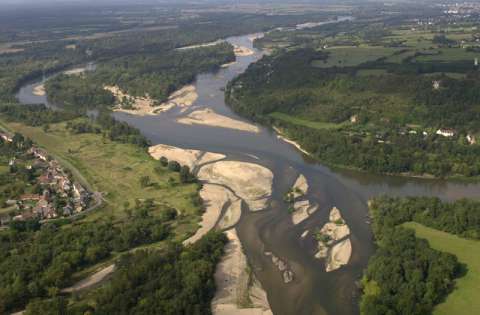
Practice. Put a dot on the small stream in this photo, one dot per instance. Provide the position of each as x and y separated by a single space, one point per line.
313 291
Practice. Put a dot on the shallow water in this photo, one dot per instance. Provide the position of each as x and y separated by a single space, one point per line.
313 291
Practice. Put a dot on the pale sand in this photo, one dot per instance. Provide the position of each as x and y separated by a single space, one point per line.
234 292
144 106
232 215
339 255
201 45
338 249
334 231
226 65
303 210
300 187
241 51
190 158
39 90
91 280
251 182
214 198
295 144
75 71
210 118
335 215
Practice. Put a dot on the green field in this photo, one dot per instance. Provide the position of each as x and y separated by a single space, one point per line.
465 298
115 170
307 123
352 56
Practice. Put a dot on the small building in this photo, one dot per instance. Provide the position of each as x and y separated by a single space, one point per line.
471 139
39 154
30 197
445 132
6 137
354 119
436 84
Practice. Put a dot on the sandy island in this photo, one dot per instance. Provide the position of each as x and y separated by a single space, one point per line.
241 51
335 244
190 158
303 208
238 291
144 106
39 90
251 182
210 118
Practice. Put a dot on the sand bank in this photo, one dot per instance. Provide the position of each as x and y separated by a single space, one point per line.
282 267
39 90
190 158
295 144
241 51
209 118
214 199
238 292
339 255
201 45
251 182
144 106
334 244
226 65
232 214
303 210
300 187
75 71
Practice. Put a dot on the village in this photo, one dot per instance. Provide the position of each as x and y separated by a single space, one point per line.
55 195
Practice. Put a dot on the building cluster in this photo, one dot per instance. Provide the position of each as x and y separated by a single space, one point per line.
59 196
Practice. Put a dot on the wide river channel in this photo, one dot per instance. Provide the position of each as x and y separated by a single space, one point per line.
313 291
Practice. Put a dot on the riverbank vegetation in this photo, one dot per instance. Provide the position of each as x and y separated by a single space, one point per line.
403 261
394 101
132 214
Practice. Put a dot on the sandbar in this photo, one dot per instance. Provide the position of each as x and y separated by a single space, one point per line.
143 106
190 158
209 117
251 182
39 90
238 291
214 198
241 51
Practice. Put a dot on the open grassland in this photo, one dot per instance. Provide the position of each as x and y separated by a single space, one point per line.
307 123
465 299
115 170
352 56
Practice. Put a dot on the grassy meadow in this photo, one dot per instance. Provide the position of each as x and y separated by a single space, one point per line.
115 169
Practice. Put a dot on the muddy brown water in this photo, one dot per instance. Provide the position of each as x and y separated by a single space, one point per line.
313 291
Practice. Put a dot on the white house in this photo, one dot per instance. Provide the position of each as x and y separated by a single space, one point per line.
445 132
471 139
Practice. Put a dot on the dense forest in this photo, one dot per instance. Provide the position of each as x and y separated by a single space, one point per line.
174 280
39 260
103 122
406 276
383 123
156 75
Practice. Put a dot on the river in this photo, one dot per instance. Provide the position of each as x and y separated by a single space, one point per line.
313 291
